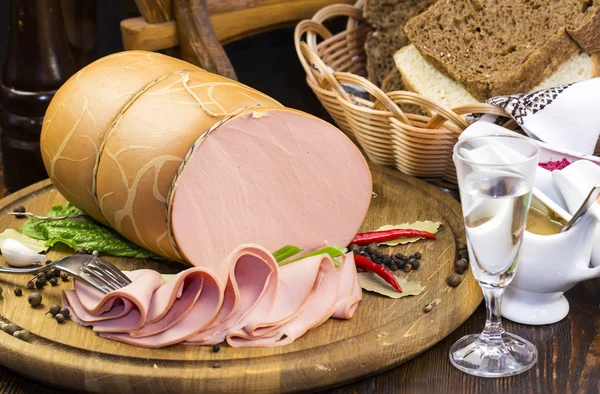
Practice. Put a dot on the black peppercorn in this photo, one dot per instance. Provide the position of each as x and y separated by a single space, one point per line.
20 209
40 283
399 256
408 267
65 312
53 281
59 318
64 276
454 280
393 267
18 292
463 254
34 299
462 247
30 285
54 310
387 259
417 255
378 255
354 248
216 348
372 247
363 253
41 275
416 265
48 262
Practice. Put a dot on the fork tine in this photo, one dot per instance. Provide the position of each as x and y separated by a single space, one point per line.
119 279
100 276
92 282
105 265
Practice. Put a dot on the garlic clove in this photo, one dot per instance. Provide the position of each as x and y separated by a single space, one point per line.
19 255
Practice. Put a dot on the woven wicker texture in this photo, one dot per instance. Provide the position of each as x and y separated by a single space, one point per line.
415 144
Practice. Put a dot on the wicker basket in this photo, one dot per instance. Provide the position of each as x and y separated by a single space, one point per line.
415 144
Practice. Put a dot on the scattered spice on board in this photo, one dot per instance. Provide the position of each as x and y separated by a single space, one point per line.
18 292
427 308
54 310
10 328
216 348
20 209
59 318
454 280
65 312
23 335
34 299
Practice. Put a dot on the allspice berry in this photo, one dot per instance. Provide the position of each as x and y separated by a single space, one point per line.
23 335
461 266
10 328
65 312
34 299
18 292
54 309
59 318
454 280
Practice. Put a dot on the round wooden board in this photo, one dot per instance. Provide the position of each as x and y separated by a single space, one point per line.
382 334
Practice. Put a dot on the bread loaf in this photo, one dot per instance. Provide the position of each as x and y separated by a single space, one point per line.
388 18
190 165
501 47
421 77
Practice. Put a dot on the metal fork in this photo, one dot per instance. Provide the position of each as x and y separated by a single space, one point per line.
98 273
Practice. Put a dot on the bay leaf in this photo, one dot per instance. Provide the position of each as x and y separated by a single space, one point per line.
36 245
427 225
372 282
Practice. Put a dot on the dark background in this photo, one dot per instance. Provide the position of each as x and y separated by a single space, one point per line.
267 62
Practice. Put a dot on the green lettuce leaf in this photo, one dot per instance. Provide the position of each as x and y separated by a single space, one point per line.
85 233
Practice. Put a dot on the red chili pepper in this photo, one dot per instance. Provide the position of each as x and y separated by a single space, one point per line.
363 239
369 265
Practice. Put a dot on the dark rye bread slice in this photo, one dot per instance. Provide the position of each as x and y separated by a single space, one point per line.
393 81
379 48
388 18
497 47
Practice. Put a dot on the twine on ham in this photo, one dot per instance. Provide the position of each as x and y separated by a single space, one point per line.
185 161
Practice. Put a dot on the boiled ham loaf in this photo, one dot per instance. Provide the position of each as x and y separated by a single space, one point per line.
190 165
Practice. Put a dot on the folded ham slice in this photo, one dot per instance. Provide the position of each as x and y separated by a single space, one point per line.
253 303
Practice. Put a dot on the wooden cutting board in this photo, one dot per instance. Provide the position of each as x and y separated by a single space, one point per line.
382 334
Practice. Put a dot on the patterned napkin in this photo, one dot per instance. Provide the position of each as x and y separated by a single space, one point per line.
564 117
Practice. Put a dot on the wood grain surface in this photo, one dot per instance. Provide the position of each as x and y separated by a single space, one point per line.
382 334
198 42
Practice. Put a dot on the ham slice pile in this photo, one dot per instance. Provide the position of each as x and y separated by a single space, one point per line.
246 300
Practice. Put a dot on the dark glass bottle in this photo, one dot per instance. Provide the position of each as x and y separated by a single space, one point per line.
38 61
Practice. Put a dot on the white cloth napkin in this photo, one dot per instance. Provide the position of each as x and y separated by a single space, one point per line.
564 117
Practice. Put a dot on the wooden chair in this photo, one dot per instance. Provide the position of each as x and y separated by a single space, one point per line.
196 29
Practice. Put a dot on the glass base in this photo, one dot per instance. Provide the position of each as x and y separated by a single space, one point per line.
493 360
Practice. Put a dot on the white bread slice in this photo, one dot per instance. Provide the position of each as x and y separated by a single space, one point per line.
421 77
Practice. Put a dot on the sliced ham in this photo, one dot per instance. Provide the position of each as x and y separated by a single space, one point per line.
261 304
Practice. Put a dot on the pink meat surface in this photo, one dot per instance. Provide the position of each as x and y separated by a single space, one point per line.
261 304
273 178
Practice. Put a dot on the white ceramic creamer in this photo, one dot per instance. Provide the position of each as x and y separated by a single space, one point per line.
549 265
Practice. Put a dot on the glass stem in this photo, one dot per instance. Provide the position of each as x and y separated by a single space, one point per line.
493 329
